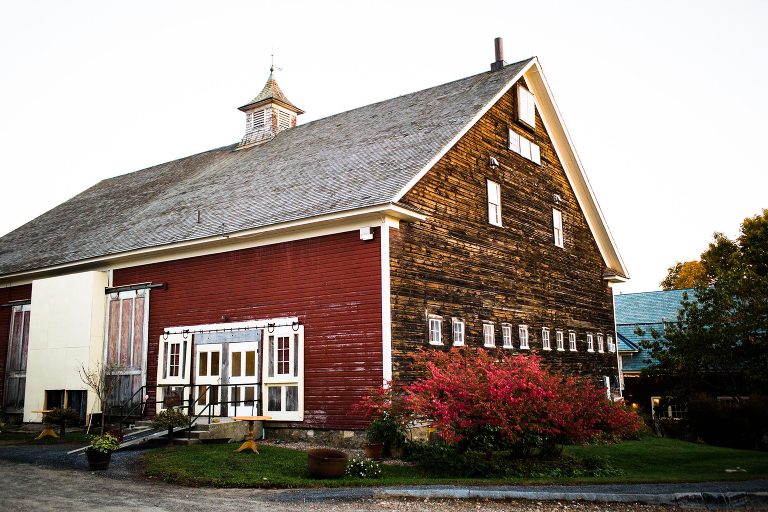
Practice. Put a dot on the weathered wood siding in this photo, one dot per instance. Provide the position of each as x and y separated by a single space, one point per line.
332 283
6 295
456 264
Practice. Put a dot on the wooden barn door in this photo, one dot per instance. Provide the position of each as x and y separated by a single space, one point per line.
16 366
127 315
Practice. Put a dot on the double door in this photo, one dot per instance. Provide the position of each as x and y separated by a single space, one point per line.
227 378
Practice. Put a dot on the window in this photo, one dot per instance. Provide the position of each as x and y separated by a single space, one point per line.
506 336
522 332
524 147
435 330
611 346
458 332
283 120
545 338
16 362
258 121
590 342
127 323
283 374
557 227
526 107
572 341
488 338
494 203
600 343
559 340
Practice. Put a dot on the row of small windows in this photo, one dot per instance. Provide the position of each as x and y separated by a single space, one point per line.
489 336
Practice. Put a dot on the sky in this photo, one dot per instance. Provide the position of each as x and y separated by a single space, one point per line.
665 101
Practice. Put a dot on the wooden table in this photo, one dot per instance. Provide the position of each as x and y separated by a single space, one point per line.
251 441
47 428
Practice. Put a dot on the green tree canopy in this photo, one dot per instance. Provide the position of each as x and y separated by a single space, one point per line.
684 274
719 342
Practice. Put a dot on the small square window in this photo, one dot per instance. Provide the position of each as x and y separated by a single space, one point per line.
435 330
559 340
506 336
526 107
545 338
494 203
590 342
458 332
488 336
572 341
523 335
600 343
557 227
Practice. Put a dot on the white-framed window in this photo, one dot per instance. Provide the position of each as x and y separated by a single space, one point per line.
522 332
545 344
435 330
572 341
458 331
506 336
611 346
524 147
283 373
526 106
559 340
283 120
600 347
494 203
488 335
557 227
590 342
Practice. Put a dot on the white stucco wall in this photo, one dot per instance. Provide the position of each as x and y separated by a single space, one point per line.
66 330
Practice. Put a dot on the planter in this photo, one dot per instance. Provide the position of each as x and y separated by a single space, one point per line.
326 463
374 450
98 460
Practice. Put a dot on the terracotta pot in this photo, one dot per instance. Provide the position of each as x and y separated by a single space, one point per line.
373 450
326 463
98 460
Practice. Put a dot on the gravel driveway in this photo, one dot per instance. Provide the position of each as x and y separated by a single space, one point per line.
45 478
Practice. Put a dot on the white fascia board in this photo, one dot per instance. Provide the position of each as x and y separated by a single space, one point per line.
233 326
566 152
276 233
463 131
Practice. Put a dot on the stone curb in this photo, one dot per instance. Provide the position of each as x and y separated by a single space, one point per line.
684 500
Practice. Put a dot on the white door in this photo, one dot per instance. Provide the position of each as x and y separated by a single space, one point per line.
207 378
243 378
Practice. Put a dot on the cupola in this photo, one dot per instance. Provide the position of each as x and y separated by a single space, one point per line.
268 113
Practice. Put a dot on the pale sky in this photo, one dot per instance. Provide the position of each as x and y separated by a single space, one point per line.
665 101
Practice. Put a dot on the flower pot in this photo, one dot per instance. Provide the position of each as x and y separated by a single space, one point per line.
98 460
326 462
374 450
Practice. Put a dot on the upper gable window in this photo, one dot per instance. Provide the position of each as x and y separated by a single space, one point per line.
494 203
600 343
557 227
526 107
524 147
611 346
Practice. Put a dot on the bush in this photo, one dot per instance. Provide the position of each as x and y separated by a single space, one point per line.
170 418
736 425
62 416
472 398
362 467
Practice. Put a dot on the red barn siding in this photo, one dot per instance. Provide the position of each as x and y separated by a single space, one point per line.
331 283
23 292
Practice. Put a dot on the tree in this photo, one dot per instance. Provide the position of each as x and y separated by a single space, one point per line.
686 274
100 381
719 342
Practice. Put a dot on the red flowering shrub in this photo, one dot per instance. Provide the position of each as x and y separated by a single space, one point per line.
469 394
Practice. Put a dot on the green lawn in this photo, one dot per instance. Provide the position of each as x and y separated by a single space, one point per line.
29 437
648 460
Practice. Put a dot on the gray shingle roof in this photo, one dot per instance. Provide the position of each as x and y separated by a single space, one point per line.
359 158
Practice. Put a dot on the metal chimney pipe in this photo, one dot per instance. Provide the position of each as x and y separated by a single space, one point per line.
498 45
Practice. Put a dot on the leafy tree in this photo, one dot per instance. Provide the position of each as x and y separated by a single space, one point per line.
719 342
686 274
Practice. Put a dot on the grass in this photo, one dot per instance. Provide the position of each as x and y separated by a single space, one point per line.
648 460
29 438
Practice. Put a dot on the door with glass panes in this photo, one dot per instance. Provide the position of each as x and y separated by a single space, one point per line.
243 385
208 378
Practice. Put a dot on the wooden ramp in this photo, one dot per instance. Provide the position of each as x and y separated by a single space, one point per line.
136 437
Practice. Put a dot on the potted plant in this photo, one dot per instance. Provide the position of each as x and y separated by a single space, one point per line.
170 419
375 434
62 416
100 452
